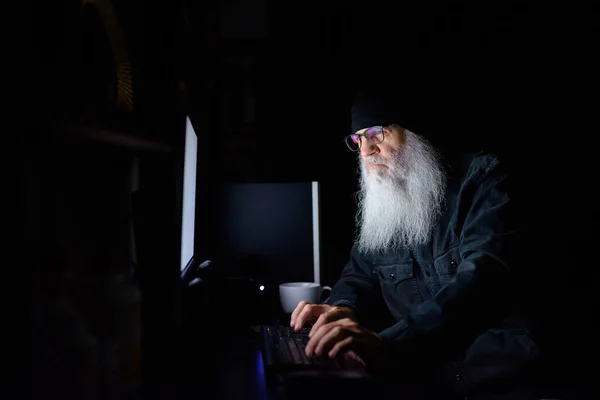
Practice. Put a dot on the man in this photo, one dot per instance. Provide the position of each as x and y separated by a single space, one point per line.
437 246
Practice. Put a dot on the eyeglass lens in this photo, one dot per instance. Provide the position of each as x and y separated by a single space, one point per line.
374 135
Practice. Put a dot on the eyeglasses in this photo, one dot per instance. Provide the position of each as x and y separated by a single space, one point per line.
374 135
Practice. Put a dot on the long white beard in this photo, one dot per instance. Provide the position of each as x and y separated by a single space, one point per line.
399 206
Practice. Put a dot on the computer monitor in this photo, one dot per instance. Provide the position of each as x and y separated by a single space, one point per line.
189 195
151 206
269 231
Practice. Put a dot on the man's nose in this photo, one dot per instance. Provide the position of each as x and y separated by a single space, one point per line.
367 148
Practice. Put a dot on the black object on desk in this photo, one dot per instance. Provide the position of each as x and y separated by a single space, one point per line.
284 350
290 374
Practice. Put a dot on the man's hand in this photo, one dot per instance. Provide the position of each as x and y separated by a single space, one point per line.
321 313
345 337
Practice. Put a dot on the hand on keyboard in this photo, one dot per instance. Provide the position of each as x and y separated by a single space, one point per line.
291 347
301 339
320 314
345 336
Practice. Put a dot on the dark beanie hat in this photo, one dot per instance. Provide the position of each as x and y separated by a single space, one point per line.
382 104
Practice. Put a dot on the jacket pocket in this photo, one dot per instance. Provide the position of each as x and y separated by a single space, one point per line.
398 286
446 265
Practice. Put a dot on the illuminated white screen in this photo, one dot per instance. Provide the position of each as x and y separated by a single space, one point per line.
189 194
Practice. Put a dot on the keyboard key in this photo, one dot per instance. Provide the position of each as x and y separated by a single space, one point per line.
301 345
296 357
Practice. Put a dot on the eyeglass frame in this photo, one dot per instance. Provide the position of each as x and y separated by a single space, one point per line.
364 134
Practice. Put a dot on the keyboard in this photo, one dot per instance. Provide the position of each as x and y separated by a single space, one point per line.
284 348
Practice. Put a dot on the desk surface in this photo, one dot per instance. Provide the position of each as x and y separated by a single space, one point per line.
223 361
236 371
228 366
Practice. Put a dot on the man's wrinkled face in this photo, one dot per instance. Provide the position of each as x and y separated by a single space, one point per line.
377 158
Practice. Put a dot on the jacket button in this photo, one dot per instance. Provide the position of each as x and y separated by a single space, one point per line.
452 263
392 276
458 377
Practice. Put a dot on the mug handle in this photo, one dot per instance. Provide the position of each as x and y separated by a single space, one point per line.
323 288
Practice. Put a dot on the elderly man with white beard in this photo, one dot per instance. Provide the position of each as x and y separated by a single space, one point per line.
435 247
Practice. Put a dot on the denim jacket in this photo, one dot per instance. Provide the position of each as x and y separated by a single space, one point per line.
456 300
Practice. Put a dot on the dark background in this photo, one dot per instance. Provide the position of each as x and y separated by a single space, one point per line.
268 86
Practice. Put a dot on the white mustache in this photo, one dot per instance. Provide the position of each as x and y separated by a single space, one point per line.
374 160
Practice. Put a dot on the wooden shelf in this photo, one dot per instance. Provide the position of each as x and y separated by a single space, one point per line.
112 138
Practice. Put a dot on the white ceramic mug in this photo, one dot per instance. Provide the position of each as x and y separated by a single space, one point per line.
292 293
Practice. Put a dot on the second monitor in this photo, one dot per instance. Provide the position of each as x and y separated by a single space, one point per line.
267 230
